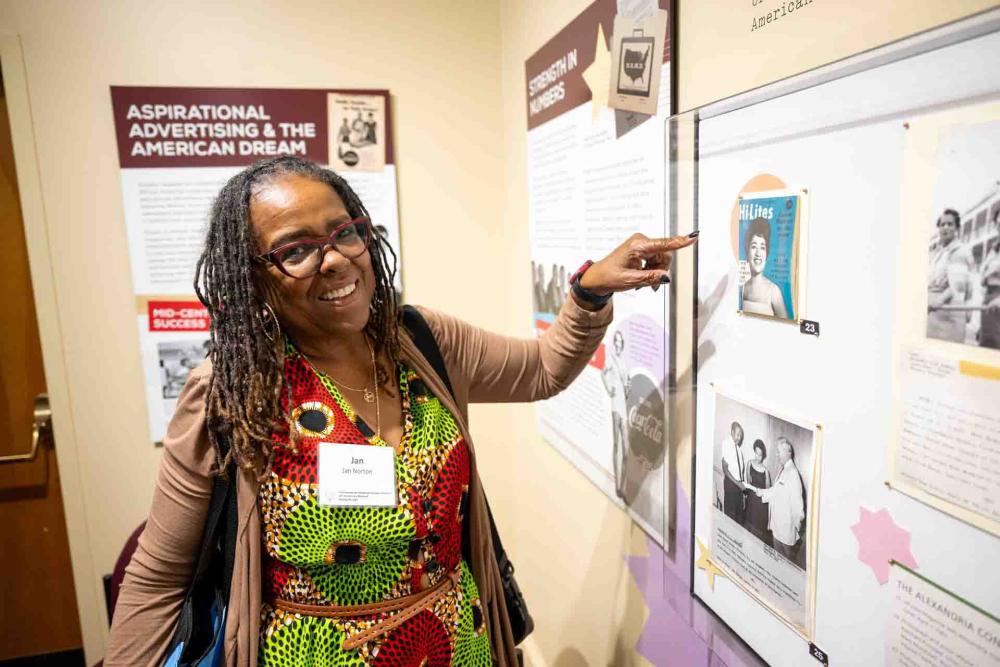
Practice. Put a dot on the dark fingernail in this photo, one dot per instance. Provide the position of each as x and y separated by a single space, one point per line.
664 280
656 287
694 234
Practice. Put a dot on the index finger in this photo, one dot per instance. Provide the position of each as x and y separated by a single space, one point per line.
669 244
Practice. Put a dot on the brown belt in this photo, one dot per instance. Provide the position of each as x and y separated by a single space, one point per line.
408 606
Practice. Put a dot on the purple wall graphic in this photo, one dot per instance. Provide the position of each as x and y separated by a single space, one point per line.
679 630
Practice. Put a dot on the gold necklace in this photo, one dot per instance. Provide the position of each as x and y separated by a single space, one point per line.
369 396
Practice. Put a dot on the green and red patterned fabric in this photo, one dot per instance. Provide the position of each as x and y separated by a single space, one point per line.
359 555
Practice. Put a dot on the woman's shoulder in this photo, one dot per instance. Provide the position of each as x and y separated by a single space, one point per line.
202 371
960 253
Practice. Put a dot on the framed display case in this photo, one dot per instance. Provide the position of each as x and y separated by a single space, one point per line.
838 365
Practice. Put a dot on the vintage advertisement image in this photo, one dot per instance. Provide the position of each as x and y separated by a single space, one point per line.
357 132
633 378
765 468
611 422
768 254
963 270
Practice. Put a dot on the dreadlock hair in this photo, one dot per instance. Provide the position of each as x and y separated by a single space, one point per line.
248 349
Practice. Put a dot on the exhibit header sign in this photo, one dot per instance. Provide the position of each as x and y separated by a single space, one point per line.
178 146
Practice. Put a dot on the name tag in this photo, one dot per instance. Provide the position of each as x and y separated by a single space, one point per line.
356 475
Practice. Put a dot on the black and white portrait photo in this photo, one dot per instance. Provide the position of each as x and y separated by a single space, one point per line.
764 471
177 360
963 271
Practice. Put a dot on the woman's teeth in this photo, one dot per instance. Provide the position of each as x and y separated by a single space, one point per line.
339 293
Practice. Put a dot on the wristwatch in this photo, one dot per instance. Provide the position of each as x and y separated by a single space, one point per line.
583 293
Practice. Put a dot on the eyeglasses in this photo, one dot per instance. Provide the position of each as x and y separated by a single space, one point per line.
303 259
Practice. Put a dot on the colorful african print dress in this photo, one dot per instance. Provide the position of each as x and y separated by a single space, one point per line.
321 555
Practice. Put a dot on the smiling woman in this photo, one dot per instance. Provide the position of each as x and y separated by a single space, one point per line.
761 296
310 363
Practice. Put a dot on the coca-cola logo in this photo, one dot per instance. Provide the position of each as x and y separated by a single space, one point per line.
646 421
647 424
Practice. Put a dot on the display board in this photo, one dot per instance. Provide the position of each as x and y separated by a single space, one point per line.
814 476
596 175
178 146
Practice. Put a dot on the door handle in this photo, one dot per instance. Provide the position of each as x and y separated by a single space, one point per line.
41 426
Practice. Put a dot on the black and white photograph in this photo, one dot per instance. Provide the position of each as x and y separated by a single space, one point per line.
177 360
550 287
638 431
764 471
963 271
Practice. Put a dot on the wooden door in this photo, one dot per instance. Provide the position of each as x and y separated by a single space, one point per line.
38 613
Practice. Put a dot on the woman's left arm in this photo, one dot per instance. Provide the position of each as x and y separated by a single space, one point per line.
497 368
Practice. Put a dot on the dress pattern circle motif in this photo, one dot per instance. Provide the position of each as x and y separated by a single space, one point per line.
321 555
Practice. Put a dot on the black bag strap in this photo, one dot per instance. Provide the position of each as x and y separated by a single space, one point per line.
214 569
423 339
221 507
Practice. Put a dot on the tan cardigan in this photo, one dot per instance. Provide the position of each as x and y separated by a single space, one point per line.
483 367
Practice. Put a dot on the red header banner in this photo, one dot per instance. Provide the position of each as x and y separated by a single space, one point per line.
177 316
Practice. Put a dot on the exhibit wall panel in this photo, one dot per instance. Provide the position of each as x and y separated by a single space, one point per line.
448 154
843 142
568 540
726 48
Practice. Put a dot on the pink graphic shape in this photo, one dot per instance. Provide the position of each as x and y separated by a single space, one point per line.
881 540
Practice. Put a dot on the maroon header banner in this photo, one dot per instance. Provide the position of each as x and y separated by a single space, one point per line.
554 81
224 127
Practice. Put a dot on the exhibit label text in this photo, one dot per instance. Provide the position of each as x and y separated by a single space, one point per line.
786 7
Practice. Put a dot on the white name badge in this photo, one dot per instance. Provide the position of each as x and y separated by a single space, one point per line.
356 475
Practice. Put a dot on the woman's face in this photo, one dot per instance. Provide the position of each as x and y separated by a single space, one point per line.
757 254
758 455
947 228
335 301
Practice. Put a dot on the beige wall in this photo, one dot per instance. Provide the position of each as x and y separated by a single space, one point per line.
718 55
441 62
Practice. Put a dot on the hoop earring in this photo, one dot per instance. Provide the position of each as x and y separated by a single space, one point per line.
274 325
